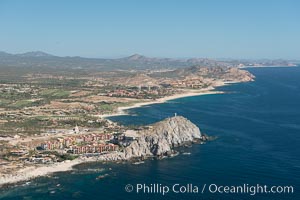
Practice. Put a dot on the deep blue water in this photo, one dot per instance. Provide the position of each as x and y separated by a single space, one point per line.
258 129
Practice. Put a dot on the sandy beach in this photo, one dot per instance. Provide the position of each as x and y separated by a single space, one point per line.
36 171
186 93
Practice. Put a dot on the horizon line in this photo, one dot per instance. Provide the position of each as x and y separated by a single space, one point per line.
142 55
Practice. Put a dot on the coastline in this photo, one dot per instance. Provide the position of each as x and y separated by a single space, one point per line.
272 66
32 172
189 93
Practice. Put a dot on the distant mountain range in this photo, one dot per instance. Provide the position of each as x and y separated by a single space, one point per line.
35 54
27 54
42 60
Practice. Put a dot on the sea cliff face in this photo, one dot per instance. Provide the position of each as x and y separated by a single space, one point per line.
160 139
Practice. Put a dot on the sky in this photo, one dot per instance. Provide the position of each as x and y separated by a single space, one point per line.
157 28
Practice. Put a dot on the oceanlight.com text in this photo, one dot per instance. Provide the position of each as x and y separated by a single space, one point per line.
156 188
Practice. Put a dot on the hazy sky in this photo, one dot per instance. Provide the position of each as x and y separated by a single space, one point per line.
162 28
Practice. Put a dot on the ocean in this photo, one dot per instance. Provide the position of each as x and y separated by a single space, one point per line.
257 125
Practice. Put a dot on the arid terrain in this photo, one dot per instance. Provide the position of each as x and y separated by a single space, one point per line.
50 115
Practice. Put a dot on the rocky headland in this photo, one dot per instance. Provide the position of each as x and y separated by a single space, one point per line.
160 139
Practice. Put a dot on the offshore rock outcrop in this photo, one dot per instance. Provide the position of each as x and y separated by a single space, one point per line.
160 139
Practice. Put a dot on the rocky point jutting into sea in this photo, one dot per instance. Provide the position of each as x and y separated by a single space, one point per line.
159 139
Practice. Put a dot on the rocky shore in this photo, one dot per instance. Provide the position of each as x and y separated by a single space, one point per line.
160 140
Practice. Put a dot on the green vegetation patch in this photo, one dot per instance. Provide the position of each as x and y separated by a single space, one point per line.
55 93
110 107
22 103
4 102
26 103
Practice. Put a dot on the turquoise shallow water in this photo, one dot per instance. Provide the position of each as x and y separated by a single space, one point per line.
258 129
